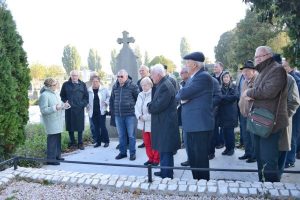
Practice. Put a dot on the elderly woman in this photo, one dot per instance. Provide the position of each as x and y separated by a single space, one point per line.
97 109
144 120
52 114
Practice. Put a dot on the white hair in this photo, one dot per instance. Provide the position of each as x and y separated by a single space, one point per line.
123 71
144 67
74 72
158 69
265 49
147 80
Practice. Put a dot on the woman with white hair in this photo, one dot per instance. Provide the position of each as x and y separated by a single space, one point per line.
144 120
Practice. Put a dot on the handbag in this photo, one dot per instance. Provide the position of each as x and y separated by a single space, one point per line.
261 121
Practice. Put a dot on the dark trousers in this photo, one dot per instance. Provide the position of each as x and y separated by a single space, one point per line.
242 128
216 138
72 137
198 148
267 155
100 130
166 160
92 128
291 155
54 146
229 138
281 162
247 138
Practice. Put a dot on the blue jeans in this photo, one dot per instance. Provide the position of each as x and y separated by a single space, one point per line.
229 138
166 160
267 156
291 155
247 138
126 123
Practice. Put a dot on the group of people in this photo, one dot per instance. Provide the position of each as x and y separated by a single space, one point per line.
205 107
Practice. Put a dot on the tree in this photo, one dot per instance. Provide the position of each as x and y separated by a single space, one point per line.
165 61
283 14
223 50
38 71
56 71
146 59
94 60
184 49
138 54
14 84
113 61
71 58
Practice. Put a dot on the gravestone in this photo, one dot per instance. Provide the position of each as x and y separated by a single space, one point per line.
127 59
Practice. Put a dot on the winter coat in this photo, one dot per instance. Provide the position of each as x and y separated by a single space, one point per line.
78 98
103 95
141 110
228 110
271 79
245 105
52 118
124 98
164 125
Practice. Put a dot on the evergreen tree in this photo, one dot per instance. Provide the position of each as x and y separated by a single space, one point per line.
184 49
147 59
164 61
113 61
71 59
14 84
94 60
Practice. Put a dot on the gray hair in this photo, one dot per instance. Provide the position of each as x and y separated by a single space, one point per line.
158 69
123 71
73 72
199 64
145 67
147 80
265 49
184 69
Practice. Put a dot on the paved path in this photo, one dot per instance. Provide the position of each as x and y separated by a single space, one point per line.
107 155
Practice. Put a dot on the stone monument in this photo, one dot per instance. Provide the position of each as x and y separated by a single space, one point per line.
127 59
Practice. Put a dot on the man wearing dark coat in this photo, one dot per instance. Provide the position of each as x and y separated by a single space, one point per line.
164 126
74 92
197 113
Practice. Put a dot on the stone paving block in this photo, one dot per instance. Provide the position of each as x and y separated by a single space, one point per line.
4 180
35 176
295 193
192 188
65 179
156 178
202 182
153 186
135 185
79 175
103 181
234 190
145 186
111 182
233 185
56 179
131 178
181 182
114 177
81 180
49 177
201 188
9 176
73 180
212 189
290 186
245 185
106 176
192 182
268 185
284 193
127 183
182 188
165 180
297 186
172 187
162 187
274 192
123 178
243 191
97 176
223 190
119 184
253 191
210 183
95 181
256 184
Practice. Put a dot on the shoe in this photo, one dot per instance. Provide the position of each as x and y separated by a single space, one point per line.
120 156
71 146
118 146
155 164
228 152
185 164
53 163
97 145
220 146
289 165
244 157
106 145
157 174
141 145
211 156
62 159
298 155
182 146
251 160
148 163
80 146
132 157
239 146
225 152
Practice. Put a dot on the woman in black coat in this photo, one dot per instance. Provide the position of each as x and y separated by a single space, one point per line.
228 112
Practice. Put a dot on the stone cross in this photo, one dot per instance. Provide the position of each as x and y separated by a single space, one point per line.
125 40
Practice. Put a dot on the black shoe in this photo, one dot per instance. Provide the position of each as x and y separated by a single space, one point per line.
288 165
239 146
155 164
60 159
80 146
106 145
118 146
225 152
244 157
97 145
132 157
141 145
298 155
228 152
157 174
220 146
148 163
185 164
211 156
71 146
251 160
120 156
53 163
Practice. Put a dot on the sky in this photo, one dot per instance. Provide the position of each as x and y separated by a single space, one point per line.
47 26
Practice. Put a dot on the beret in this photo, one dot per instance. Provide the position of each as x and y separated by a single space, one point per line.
195 56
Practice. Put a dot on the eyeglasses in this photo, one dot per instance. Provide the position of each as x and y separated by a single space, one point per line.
120 76
183 72
255 57
53 84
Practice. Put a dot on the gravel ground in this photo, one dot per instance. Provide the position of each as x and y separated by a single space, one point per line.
34 191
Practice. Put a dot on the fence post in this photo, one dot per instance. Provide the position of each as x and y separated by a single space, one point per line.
149 173
16 160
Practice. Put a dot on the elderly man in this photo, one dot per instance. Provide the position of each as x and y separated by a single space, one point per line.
197 113
165 133
74 92
124 95
269 92
249 73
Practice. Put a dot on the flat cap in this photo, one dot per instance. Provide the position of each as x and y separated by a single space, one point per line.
195 56
248 64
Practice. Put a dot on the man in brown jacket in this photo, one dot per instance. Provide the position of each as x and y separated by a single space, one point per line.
268 86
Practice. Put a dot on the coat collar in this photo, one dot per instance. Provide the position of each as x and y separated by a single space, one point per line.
263 65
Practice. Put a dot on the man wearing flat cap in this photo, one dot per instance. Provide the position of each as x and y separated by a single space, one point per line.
197 113
249 73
